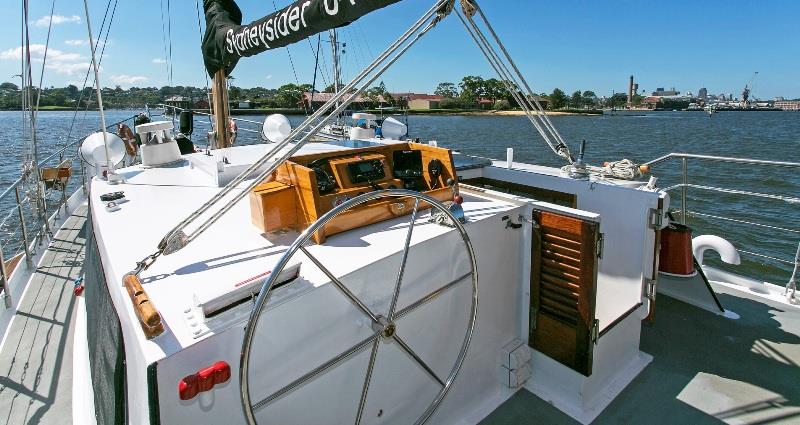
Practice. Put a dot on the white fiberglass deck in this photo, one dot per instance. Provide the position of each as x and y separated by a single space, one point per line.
230 252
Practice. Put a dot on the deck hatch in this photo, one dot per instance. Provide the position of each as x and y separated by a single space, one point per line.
563 286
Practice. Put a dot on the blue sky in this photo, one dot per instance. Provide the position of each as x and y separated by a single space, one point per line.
571 44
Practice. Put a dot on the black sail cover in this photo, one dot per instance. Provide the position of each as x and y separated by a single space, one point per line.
226 40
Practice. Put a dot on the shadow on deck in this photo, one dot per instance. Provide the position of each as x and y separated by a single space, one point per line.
36 358
706 369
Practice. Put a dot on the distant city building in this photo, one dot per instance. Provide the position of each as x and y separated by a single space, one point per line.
779 98
702 93
788 105
661 92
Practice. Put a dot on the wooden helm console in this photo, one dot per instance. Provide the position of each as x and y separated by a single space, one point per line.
307 186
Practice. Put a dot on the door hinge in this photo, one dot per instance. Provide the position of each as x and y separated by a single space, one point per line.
600 243
650 289
532 221
595 331
533 319
656 218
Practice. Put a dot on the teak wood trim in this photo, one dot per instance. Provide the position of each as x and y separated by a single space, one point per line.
563 289
146 312
309 204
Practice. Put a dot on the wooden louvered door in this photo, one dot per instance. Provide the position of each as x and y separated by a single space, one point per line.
563 285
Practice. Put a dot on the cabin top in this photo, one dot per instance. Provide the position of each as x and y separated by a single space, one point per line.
209 273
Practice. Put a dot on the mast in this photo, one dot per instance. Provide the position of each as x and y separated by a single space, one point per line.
337 71
219 108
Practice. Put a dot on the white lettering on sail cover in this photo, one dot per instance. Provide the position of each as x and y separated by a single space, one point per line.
332 10
283 24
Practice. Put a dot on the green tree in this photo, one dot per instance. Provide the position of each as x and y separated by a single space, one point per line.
290 95
557 99
495 89
617 100
589 98
472 88
576 100
446 90
234 93
9 87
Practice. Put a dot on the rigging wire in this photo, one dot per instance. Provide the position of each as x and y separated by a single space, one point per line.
88 70
30 160
316 67
291 62
164 42
316 54
529 103
44 59
169 31
100 61
23 104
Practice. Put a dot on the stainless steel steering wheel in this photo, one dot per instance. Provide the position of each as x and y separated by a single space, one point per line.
385 328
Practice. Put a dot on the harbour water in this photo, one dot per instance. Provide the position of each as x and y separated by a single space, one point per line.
638 136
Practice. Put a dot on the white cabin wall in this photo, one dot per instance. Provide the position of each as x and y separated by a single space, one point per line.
628 248
476 392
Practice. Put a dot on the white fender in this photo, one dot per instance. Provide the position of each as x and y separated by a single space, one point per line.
726 250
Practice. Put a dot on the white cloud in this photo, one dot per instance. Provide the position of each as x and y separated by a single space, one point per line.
58 19
159 61
37 54
269 77
75 42
128 79
69 68
61 62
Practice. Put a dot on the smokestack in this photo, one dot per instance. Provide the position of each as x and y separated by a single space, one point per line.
630 91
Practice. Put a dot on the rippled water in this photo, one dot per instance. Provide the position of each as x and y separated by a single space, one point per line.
640 137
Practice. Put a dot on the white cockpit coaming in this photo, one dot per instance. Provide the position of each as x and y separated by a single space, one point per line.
234 251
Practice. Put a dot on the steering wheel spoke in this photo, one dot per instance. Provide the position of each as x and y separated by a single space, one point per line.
403 260
341 357
430 297
365 390
339 285
418 359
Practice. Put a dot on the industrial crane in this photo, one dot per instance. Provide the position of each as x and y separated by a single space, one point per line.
748 88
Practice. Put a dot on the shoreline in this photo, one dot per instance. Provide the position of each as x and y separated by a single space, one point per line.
516 113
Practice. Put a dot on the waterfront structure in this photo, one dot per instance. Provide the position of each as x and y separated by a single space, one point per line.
420 100
788 105
181 102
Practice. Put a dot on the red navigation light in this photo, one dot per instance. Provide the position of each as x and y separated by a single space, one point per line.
203 380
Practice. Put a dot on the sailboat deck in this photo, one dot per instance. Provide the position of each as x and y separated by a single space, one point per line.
36 357
706 369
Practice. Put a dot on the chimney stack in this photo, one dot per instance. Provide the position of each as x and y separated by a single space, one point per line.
630 92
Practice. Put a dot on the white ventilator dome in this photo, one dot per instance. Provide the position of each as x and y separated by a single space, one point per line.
276 128
393 129
93 151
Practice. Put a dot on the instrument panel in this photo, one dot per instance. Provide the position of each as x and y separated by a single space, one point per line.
322 181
